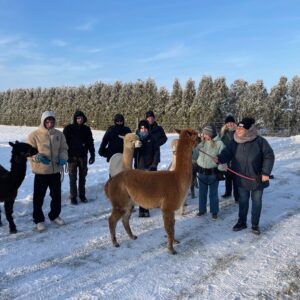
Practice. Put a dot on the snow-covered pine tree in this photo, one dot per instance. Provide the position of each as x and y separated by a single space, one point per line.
200 109
171 119
163 98
239 95
188 98
257 102
277 117
218 102
294 105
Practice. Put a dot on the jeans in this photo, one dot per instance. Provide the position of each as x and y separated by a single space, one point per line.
208 182
256 197
77 164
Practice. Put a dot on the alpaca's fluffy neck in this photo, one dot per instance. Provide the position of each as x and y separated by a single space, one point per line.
18 170
184 159
127 158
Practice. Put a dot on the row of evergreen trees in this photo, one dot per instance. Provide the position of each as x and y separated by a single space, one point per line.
277 111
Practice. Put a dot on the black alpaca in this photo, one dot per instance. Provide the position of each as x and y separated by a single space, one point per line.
10 181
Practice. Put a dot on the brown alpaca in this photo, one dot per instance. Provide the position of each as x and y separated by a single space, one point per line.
172 166
163 189
123 161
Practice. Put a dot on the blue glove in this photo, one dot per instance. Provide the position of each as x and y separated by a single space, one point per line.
61 162
42 159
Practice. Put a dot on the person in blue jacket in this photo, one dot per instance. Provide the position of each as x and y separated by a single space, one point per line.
252 156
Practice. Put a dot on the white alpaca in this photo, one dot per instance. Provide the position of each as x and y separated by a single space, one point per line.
123 161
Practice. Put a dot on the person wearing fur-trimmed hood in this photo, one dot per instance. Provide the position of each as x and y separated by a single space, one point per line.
47 165
251 156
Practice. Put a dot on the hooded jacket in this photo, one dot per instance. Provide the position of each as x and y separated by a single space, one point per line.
50 143
79 137
147 155
111 142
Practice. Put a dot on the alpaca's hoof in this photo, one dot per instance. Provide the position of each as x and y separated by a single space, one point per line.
13 231
173 252
117 245
134 237
176 242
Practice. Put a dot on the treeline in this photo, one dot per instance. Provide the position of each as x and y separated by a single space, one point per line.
277 112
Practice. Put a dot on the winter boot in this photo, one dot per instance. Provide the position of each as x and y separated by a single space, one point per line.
239 226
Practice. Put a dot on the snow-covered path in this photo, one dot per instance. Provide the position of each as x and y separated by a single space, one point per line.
77 260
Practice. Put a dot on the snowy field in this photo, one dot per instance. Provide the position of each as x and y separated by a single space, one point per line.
77 261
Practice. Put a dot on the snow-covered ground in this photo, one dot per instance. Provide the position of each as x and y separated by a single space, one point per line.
77 261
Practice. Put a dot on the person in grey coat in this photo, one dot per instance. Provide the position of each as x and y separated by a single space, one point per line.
251 156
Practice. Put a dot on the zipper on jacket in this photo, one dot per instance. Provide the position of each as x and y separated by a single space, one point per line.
51 152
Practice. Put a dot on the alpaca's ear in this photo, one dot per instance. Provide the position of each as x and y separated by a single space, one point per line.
177 130
121 137
11 144
189 133
16 142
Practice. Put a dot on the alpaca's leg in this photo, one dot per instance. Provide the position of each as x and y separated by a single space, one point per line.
8 206
169 223
181 208
0 218
115 216
125 221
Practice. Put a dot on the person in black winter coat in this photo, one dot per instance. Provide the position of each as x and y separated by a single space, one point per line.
156 131
147 156
111 142
80 141
252 156
226 134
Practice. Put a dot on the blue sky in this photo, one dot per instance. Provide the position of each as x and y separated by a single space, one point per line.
71 42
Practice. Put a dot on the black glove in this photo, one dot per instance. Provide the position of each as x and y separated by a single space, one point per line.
152 168
102 152
92 159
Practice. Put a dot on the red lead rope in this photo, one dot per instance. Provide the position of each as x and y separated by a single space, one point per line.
230 170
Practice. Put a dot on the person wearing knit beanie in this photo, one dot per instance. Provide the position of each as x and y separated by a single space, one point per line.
210 130
229 119
246 123
210 146
253 158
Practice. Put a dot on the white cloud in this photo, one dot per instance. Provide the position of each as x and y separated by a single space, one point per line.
59 43
237 61
165 55
95 50
87 26
16 47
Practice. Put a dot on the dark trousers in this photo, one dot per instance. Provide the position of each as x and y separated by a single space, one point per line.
230 182
256 197
41 183
77 165
194 179
142 209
